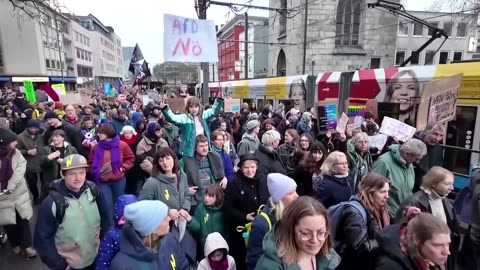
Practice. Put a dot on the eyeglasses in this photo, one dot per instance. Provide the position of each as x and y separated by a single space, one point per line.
308 236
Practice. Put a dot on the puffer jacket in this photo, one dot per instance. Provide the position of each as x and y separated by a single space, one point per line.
162 188
19 200
146 150
25 143
333 190
215 241
270 259
401 176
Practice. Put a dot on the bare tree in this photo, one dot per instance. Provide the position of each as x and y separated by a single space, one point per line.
459 8
31 8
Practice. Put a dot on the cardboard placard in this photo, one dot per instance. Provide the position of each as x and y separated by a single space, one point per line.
439 101
327 114
342 123
60 89
378 141
232 105
71 98
177 105
397 129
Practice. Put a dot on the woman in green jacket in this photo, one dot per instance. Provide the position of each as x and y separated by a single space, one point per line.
193 123
301 240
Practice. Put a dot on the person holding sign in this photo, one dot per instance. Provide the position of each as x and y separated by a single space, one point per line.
193 123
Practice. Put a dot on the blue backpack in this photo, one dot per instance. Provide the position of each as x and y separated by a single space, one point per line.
335 214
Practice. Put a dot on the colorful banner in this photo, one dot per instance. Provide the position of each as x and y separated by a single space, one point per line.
327 115
356 107
189 40
29 91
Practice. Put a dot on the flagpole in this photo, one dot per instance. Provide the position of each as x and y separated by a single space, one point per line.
205 65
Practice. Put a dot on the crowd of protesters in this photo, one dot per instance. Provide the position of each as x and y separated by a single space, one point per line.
126 185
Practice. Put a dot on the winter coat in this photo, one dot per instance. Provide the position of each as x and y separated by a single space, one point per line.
19 200
186 124
333 190
390 256
73 135
227 164
434 157
359 165
190 167
85 220
285 151
260 227
269 162
216 242
242 196
467 202
271 261
355 241
134 254
51 168
127 158
119 124
146 150
170 134
420 199
25 143
248 145
304 179
303 127
163 188
205 221
110 246
401 176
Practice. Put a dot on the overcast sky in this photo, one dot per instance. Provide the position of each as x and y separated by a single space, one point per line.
141 21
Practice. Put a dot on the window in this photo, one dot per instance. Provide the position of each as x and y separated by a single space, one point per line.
443 58
399 57
81 38
53 64
78 53
348 23
47 63
44 39
457 56
375 62
461 30
76 36
250 64
88 42
63 65
414 58
417 29
447 27
429 57
403 28
90 57
283 19
82 54
430 31
58 64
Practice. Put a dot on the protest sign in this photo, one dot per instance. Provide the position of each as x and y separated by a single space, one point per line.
356 123
71 98
232 105
439 101
145 100
398 130
29 91
177 105
60 88
189 40
107 89
378 141
342 123
327 114
153 95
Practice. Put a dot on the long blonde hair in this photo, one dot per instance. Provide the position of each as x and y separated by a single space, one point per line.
278 208
151 242
433 177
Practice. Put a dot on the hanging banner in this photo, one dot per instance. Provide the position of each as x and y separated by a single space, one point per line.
60 89
29 91
398 130
232 105
189 40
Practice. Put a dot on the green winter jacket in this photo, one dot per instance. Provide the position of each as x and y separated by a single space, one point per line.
401 176
205 221
271 261
187 126
162 188
359 166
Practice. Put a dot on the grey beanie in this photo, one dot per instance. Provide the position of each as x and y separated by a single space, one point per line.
279 185
252 124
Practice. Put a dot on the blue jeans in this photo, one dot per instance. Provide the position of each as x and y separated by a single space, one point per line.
111 191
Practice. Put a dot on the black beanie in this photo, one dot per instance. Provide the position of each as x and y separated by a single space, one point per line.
50 115
33 123
7 136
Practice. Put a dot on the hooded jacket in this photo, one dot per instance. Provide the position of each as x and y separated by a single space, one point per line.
162 188
119 124
109 246
25 143
271 261
401 176
146 150
186 124
248 145
302 125
215 241
133 254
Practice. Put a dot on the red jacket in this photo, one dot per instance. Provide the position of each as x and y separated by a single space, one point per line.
126 157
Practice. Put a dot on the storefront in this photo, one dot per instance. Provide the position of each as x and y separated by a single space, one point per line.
70 82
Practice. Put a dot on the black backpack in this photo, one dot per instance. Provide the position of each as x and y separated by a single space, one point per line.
61 203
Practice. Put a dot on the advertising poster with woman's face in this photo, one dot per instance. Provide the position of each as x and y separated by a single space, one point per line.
297 93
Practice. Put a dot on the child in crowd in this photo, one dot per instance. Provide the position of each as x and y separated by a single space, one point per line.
208 217
110 244
216 253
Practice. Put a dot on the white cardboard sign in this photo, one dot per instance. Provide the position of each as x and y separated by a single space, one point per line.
398 130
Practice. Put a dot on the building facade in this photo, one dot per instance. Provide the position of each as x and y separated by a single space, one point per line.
341 35
257 50
81 53
461 44
127 56
107 51
34 49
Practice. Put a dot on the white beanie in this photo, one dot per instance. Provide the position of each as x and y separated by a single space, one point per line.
146 216
279 185
128 128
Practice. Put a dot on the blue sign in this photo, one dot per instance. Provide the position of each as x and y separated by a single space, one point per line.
107 88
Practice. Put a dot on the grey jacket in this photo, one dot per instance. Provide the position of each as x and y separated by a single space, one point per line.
248 145
25 143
